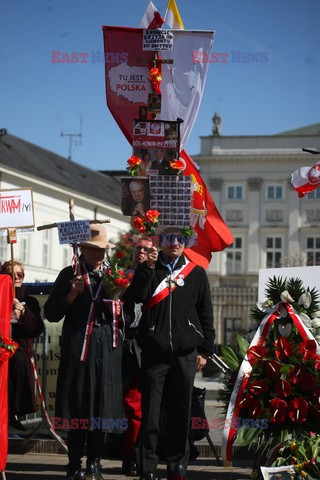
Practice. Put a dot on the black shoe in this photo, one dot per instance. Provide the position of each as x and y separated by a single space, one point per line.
93 470
77 475
179 473
148 476
129 468
15 423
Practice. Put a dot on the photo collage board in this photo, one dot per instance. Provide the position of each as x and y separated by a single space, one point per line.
156 143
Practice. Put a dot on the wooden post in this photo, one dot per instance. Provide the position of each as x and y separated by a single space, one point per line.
12 238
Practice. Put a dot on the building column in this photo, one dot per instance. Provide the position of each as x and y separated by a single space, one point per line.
254 211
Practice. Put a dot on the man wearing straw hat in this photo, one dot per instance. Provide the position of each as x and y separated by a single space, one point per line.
89 385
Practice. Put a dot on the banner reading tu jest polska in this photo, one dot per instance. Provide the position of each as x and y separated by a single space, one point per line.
128 52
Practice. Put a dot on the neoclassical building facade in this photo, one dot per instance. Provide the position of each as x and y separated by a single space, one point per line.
249 178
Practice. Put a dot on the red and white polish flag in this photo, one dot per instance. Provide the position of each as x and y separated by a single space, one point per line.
306 179
151 18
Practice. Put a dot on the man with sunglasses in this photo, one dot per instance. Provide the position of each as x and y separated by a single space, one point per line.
176 336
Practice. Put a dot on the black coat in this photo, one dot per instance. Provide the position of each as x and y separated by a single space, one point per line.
92 388
190 324
21 377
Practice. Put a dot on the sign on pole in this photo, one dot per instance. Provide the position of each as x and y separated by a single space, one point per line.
16 208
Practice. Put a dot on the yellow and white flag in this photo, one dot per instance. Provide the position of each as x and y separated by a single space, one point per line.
172 17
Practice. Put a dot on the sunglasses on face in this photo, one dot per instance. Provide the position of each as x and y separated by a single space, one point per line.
18 275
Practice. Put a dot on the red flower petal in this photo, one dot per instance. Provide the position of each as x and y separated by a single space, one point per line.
282 388
278 410
256 353
273 369
307 349
258 387
298 410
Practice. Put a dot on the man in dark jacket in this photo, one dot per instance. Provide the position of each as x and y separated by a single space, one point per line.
176 336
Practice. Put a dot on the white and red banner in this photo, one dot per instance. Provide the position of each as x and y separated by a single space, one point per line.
306 179
183 81
127 76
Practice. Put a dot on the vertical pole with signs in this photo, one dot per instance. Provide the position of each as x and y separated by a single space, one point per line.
12 239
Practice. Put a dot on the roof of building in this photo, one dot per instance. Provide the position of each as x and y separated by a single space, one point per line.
28 158
313 129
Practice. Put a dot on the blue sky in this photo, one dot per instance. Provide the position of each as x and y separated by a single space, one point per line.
38 98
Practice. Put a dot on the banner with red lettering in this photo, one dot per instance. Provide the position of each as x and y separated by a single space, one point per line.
6 296
16 208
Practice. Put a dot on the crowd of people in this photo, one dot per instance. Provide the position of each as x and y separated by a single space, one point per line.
120 359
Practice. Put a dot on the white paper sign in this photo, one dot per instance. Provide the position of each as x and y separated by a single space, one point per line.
16 208
73 232
156 40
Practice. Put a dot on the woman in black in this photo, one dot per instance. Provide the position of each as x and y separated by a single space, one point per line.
89 385
26 325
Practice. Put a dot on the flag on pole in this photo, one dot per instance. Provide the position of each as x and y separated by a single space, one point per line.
172 16
306 179
151 18
213 235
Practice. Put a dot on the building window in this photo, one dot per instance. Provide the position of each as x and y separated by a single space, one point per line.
274 252
4 249
274 192
314 194
23 249
234 257
235 192
232 326
46 249
313 251
66 257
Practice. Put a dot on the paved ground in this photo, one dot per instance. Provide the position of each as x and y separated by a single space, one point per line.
50 467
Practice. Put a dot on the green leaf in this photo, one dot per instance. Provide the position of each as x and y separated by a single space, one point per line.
245 436
243 345
230 357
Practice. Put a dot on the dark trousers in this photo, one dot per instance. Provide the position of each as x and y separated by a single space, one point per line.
76 442
173 374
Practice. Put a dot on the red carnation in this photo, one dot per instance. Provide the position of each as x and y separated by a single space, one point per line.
256 353
307 382
130 276
152 216
139 225
125 282
307 349
273 369
278 410
133 161
282 388
119 254
121 272
108 271
176 164
118 282
298 409
258 387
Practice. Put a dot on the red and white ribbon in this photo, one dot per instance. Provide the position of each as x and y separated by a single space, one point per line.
90 320
43 405
162 290
230 430
115 319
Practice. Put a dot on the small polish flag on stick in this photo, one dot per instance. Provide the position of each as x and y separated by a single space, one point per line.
306 179
151 18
